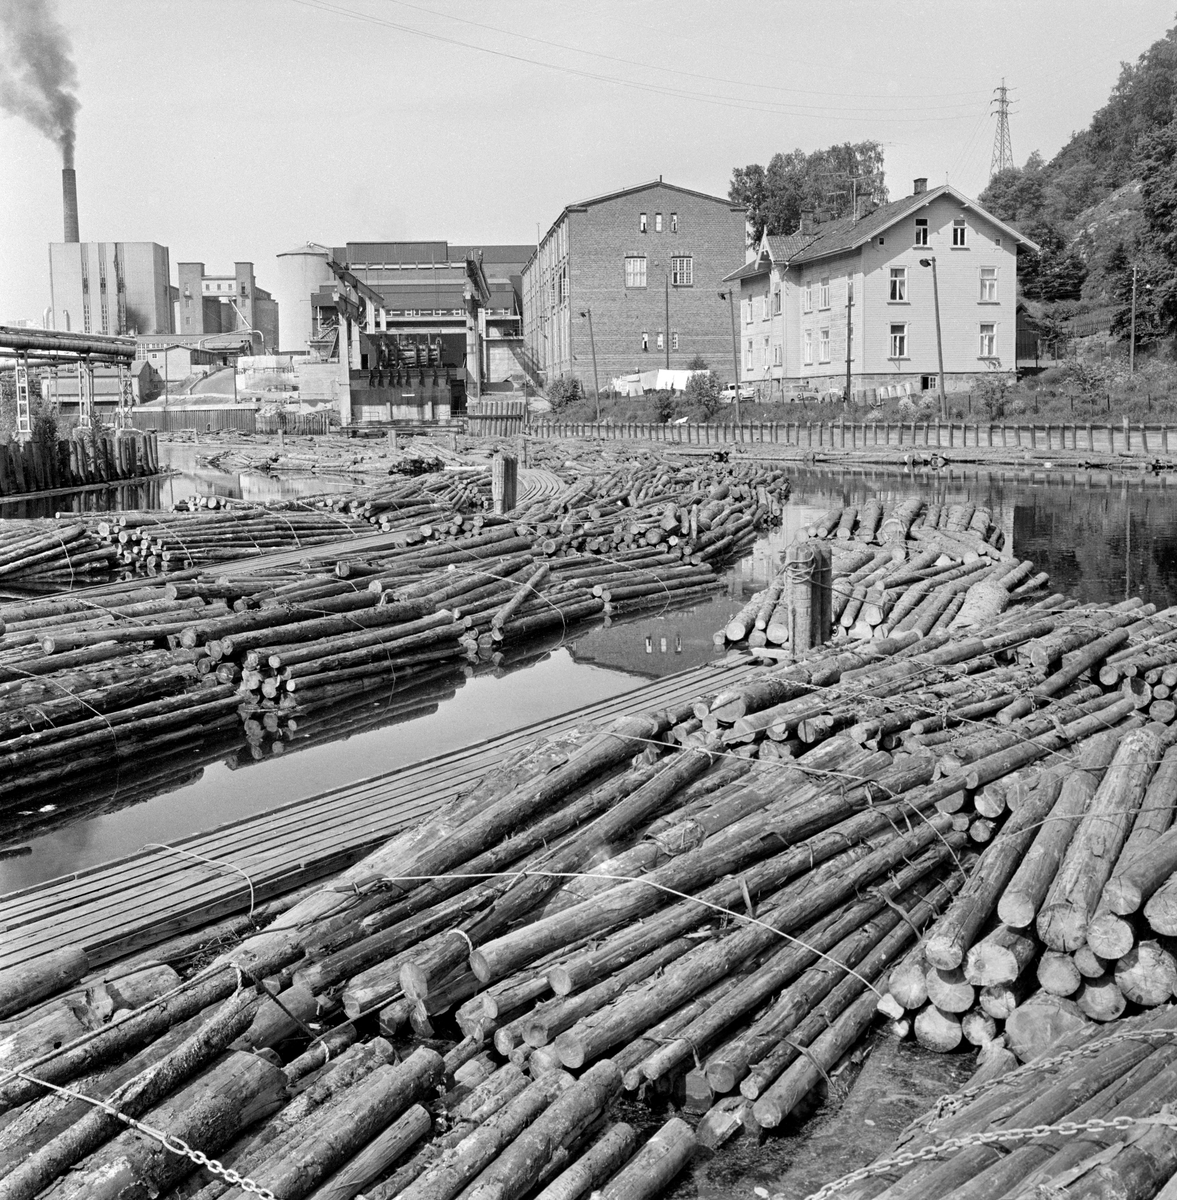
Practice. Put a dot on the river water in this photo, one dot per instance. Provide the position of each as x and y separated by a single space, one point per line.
1101 537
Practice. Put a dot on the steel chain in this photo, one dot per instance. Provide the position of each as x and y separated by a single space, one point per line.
169 1141
911 1158
947 1105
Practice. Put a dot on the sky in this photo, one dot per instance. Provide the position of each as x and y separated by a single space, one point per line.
232 130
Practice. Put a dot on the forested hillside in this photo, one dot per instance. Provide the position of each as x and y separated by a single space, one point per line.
1106 201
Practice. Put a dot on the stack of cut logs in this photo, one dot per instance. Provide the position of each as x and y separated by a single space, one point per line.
176 665
52 554
1108 1090
929 569
705 903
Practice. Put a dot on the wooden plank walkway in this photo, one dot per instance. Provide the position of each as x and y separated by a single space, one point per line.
129 904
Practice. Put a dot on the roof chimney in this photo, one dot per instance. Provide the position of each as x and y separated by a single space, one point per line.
919 185
806 221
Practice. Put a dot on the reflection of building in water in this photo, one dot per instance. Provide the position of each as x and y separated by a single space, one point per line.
652 646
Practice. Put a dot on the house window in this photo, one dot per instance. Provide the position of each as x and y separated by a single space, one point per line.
682 271
641 222
898 341
988 340
747 307
766 344
674 339
748 364
959 233
807 296
988 284
898 283
674 222
824 295
807 347
635 270
921 231
776 302
776 355
882 240
645 340
823 345
657 222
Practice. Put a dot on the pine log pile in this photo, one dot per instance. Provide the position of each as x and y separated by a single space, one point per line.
921 567
1099 1106
703 904
77 461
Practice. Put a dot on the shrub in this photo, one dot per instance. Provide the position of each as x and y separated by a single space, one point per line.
704 390
991 393
564 392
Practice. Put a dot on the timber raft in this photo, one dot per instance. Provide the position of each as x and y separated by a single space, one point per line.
703 894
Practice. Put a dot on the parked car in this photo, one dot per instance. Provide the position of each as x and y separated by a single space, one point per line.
728 395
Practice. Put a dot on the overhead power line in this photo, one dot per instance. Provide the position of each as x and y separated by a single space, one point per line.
647 65
873 116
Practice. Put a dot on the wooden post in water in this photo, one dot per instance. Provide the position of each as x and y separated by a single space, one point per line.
809 579
504 482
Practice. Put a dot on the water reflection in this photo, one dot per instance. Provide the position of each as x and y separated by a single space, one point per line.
1100 536
193 478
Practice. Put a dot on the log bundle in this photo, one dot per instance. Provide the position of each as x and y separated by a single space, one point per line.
85 458
921 567
704 904
1099 1109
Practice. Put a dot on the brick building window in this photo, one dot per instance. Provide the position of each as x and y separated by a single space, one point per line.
645 340
674 222
682 270
898 283
657 222
960 233
823 345
988 340
921 231
635 270
989 285
658 340
674 339
824 295
898 341
807 347
641 222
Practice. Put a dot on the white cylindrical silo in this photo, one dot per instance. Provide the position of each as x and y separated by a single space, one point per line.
301 273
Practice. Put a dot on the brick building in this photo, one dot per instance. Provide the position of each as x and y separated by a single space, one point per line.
854 294
226 303
648 262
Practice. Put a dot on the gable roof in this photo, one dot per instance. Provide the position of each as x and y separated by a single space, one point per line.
760 265
837 237
655 183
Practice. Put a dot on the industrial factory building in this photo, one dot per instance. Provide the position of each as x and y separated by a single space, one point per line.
110 287
424 324
212 304
635 275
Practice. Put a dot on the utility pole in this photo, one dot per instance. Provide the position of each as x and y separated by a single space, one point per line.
1003 155
1132 343
849 334
666 274
730 296
931 262
588 312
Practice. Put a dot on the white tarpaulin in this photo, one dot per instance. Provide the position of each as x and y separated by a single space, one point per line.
660 380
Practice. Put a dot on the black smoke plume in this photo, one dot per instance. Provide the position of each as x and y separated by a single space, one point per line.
37 73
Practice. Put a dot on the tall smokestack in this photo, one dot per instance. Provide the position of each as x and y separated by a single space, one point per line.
69 203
